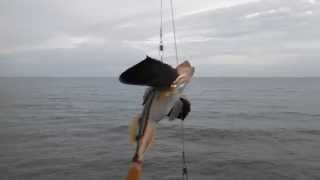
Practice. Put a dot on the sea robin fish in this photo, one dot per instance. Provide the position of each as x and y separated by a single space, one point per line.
163 98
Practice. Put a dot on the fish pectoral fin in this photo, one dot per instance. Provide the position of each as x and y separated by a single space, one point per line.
180 109
150 72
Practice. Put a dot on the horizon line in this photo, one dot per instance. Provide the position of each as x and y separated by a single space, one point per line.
194 77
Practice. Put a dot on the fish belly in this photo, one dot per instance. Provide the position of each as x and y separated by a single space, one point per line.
161 105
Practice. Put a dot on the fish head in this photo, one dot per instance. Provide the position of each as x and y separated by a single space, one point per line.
185 73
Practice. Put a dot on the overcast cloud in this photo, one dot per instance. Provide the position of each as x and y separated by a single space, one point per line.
103 37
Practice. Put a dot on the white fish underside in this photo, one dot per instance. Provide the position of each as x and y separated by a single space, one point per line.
163 102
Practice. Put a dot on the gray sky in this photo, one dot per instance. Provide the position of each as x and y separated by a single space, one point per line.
103 37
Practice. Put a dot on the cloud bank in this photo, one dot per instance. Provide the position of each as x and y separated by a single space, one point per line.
101 38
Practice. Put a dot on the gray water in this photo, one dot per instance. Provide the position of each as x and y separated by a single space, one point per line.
239 128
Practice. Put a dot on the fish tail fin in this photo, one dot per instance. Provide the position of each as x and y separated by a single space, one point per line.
134 172
133 129
146 141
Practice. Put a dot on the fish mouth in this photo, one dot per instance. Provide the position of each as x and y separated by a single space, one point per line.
185 71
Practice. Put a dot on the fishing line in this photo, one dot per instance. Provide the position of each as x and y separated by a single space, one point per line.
174 31
184 161
161 47
161 53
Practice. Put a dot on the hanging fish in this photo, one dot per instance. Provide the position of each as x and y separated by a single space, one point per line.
163 98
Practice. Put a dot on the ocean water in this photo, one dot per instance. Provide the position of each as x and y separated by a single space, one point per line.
239 128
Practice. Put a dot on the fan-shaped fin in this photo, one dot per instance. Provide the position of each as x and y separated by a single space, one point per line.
150 72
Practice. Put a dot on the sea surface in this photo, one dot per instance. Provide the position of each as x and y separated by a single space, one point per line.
239 129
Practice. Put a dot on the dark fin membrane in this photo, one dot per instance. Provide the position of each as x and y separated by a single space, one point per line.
180 110
150 72
186 108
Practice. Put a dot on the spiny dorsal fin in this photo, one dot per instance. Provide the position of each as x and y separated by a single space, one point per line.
150 72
